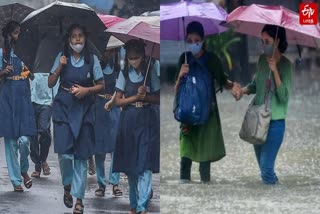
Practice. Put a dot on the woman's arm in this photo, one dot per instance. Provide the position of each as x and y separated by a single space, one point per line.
123 101
153 98
80 91
53 78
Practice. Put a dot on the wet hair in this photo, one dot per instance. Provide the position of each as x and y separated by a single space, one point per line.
138 46
116 64
6 31
195 27
67 49
271 30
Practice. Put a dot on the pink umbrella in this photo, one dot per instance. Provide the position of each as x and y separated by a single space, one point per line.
251 19
109 20
146 28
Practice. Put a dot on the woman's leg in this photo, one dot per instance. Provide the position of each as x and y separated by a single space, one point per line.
185 168
100 169
24 151
204 169
133 191
269 151
79 180
144 190
114 177
14 170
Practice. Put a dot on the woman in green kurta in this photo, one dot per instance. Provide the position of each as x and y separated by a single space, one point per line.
203 143
272 63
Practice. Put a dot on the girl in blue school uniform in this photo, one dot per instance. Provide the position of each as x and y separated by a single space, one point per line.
16 111
107 121
138 140
73 112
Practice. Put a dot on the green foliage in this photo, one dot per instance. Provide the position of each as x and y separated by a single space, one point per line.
220 44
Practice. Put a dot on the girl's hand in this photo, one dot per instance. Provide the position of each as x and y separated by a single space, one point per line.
8 69
63 60
79 91
184 70
142 91
272 64
108 105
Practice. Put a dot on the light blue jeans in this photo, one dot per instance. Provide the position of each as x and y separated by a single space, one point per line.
100 169
74 173
267 153
15 169
140 190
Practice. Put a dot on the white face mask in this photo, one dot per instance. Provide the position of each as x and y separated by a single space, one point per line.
135 63
77 48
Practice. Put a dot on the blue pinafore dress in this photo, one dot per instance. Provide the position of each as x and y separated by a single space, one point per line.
73 118
16 112
107 122
138 139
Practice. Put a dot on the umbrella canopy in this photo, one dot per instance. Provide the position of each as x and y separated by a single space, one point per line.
114 43
57 17
175 17
138 27
108 21
251 19
16 12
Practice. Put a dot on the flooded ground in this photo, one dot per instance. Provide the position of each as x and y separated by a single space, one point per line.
236 186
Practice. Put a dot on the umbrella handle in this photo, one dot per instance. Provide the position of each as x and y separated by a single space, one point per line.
184 35
145 78
274 49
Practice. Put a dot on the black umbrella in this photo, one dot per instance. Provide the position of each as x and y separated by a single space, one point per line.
55 19
16 12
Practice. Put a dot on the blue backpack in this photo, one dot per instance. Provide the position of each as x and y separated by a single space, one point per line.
194 98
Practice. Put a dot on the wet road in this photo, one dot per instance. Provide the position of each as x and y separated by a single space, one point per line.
235 186
46 194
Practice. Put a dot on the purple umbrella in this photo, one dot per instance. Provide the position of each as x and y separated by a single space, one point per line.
175 17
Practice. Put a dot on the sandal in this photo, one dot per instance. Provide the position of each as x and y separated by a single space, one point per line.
45 168
100 192
26 180
78 208
92 167
116 191
67 198
18 188
35 174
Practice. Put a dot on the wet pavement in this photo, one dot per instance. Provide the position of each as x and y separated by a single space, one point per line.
235 186
46 194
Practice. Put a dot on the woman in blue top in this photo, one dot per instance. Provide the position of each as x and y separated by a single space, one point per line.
107 121
138 141
73 112
16 111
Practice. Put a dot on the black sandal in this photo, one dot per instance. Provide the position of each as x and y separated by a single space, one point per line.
116 191
78 208
67 198
28 183
100 192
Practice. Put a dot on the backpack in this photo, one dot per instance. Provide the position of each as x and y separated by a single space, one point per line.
195 95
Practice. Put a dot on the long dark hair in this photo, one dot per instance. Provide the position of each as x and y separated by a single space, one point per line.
116 65
137 46
8 43
271 30
67 49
